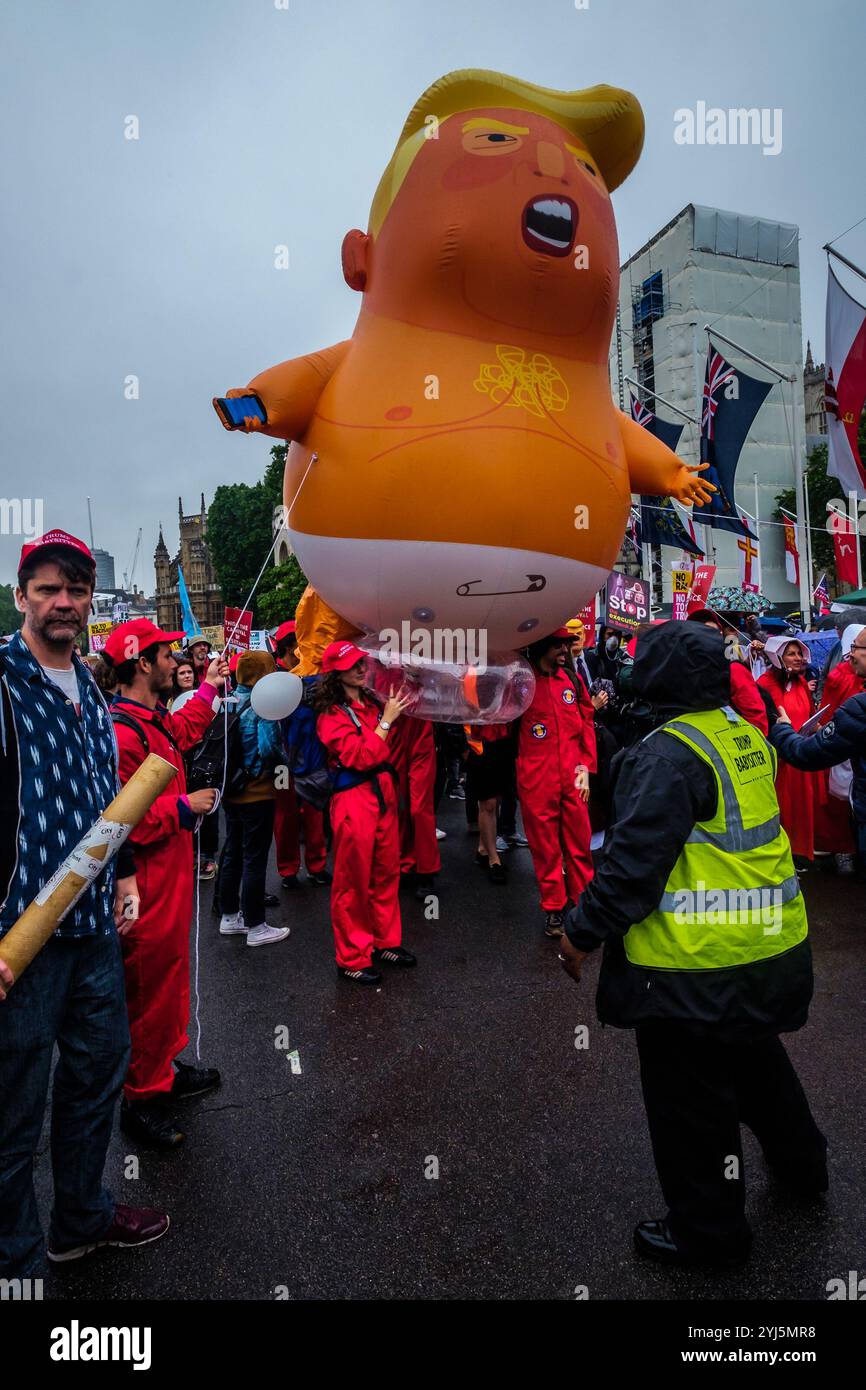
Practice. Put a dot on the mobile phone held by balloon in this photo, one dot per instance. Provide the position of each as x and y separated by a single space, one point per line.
233 411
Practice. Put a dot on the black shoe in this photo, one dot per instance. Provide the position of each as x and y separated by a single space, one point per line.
424 886
457 793
394 955
193 1081
655 1240
497 873
553 925
366 976
290 881
482 860
150 1122
271 900
323 878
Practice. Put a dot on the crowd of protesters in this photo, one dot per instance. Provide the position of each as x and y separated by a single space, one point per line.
70 728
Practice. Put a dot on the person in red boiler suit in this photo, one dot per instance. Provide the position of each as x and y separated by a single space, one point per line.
414 756
156 945
365 908
745 698
555 754
796 790
295 818
834 830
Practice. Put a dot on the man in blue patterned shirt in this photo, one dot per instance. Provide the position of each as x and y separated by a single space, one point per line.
58 771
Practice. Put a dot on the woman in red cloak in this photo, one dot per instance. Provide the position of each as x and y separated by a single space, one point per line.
797 791
834 831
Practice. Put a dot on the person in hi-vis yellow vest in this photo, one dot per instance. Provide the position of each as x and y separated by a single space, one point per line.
706 954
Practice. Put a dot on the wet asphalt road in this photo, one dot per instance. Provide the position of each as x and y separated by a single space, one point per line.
312 1184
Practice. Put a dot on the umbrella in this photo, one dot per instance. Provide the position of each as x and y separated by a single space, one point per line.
730 598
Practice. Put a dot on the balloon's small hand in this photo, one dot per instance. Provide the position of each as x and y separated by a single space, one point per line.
690 489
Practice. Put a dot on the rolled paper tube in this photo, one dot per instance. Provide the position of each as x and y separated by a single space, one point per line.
96 848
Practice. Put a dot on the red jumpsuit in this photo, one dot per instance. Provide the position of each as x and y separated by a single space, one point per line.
745 698
834 832
414 756
291 813
156 948
365 908
797 791
557 735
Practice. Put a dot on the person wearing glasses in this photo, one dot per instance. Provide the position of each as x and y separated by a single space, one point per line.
843 739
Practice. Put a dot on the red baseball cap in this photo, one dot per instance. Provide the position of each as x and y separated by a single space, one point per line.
340 656
285 630
56 538
562 634
233 662
127 642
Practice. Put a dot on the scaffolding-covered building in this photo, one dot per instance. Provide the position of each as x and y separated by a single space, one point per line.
740 275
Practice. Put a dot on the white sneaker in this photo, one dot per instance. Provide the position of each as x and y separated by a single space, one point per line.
232 924
440 834
502 844
265 935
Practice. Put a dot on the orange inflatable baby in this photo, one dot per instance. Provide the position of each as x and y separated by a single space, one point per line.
459 462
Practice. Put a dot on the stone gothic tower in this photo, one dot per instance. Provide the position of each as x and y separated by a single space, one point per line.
198 571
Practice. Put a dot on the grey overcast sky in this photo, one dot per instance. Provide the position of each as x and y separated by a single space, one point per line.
261 126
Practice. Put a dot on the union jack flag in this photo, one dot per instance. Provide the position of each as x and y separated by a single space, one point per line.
640 413
718 373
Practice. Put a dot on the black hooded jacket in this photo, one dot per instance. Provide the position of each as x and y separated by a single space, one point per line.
660 790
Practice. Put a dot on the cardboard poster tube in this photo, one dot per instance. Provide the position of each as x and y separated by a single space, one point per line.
96 848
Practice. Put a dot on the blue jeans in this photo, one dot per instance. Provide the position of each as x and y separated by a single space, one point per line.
72 995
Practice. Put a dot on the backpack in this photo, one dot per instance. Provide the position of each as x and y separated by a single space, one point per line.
306 755
219 755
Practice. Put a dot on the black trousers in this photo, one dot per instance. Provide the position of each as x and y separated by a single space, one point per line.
244 862
697 1091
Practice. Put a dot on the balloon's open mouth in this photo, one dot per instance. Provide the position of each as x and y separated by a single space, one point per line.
549 225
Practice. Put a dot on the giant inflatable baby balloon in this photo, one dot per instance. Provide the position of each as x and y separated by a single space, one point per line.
469 469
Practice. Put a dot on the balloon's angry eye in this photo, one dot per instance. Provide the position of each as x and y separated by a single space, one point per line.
491 142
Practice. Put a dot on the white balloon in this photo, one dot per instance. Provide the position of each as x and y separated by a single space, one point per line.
276 696
181 700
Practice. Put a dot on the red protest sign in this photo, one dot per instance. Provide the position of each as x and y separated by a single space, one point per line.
587 617
237 627
701 585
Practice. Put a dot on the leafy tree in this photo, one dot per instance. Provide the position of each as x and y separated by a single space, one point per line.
240 534
279 592
10 618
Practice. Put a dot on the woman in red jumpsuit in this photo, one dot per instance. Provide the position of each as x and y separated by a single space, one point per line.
414 756
156 946
365 908
796 790
834 830
295 818
555 753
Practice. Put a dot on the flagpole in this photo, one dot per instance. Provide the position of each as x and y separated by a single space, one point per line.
853 520
758 534
844 259
709 539
802 505
656 397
